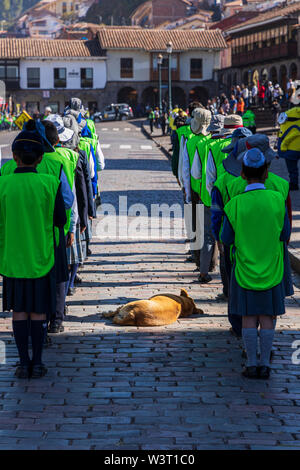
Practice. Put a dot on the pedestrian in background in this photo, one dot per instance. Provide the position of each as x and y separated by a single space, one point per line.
151 118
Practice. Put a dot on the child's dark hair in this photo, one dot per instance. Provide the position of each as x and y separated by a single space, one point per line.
28 145
51 132
254 173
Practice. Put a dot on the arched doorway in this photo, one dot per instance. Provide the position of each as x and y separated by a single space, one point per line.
293 71
150 97
229 81
273 75
264 75
128 95
245 78
283 77
178 97
199 93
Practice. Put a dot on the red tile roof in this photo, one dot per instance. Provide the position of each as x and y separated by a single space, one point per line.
156 40
12 48
290 10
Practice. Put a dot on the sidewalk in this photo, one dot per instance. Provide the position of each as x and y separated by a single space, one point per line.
278 166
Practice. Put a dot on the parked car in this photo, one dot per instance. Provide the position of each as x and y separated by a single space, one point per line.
117 112
97 116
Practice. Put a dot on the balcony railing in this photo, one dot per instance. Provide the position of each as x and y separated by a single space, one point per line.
164 75
264 54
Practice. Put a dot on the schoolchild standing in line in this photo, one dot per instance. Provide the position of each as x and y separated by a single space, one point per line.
257 224
31 204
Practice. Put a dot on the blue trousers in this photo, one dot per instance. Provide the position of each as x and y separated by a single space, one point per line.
292 167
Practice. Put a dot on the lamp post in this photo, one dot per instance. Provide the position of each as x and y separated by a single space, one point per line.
159 64
169 51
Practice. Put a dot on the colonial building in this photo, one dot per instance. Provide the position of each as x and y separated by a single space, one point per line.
118 65
39 73
266 47
132 69
156 12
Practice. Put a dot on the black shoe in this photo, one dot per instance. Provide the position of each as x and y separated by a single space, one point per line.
77 280
22 372
264 372
89 252
250 372
222 297
71 291
38 371
190 259
204 279
56 328
294 187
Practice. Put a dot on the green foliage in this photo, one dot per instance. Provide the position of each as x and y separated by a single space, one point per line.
120 10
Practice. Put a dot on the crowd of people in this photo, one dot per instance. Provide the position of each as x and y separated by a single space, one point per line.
49 194
244 212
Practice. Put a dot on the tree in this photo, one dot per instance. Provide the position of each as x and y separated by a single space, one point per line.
118 9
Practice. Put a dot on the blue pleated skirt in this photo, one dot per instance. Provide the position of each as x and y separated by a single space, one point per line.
245 302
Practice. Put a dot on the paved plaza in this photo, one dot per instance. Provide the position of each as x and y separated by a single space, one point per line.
172 388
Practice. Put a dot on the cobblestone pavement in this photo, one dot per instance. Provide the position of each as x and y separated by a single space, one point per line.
174 387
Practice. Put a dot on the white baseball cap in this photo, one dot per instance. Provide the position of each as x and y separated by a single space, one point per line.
64 133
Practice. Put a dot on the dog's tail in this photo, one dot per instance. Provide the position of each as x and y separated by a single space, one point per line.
183 293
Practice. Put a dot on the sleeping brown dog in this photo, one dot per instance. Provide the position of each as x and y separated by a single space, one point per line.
162 309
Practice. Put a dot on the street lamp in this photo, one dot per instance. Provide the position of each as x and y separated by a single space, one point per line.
169 51
159 63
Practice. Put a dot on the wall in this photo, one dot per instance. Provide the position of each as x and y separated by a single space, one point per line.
167 10
141 65
73 83
211 61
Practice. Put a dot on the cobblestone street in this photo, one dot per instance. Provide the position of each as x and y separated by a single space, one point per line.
174 387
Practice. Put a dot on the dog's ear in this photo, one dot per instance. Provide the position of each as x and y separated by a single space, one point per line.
183 293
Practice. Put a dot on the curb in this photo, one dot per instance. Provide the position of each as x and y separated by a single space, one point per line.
293 253
157 143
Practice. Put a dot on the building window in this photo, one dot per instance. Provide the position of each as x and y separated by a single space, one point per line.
126 68
60 78
196 68
33 77
64 8
86 77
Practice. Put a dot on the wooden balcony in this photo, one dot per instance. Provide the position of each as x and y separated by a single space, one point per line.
265 54
164 75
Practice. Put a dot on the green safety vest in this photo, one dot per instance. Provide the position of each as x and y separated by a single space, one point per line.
273 182
191 146
203 149
222 183
86 147
26 224
249 119
62 156
47 167
257 218
91 126
216 147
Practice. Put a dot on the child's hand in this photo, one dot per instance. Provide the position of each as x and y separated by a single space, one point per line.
70 239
